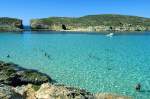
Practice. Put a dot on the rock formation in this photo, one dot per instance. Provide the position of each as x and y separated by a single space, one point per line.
10 24
12 74
107 22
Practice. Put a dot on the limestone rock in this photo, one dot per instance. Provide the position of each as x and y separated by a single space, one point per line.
110 96
49 91
6 92
27 92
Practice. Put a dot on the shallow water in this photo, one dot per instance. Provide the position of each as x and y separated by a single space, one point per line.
93 62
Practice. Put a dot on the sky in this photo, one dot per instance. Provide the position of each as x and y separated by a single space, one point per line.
29 9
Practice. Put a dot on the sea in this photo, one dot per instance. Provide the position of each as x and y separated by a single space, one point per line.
92 61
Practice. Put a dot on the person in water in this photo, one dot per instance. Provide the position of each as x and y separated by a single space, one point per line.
48 56
138 87
8 56
45 54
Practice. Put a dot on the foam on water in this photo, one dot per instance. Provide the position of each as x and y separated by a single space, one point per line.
94 62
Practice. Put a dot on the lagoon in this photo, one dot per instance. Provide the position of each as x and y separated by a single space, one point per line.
91 61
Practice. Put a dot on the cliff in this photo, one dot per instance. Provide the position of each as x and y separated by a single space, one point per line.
105 22
10 24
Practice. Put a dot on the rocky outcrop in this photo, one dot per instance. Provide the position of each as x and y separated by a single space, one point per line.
12 74
38 24
49 91
92 23
27 92
10 24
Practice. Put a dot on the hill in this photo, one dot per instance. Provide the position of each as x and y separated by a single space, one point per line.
105 22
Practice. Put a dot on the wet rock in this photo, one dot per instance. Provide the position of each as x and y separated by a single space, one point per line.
12 74
33 77
6 73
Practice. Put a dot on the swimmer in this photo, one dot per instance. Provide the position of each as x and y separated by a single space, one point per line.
138 87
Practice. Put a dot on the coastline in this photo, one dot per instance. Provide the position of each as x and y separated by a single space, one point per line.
31 84
90 23
45 31
105 31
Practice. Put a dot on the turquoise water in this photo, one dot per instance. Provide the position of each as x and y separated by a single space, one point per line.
93 62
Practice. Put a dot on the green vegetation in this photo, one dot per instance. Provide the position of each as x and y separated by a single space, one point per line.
115 20
9 28
36 87
90 20
10 24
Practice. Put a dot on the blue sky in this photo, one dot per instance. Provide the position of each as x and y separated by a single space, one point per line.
28 9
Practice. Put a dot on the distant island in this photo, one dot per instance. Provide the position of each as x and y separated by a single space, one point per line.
90 23
10 24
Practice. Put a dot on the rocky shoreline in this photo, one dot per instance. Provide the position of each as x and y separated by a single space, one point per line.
99 29
19 83
89 23
92 23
